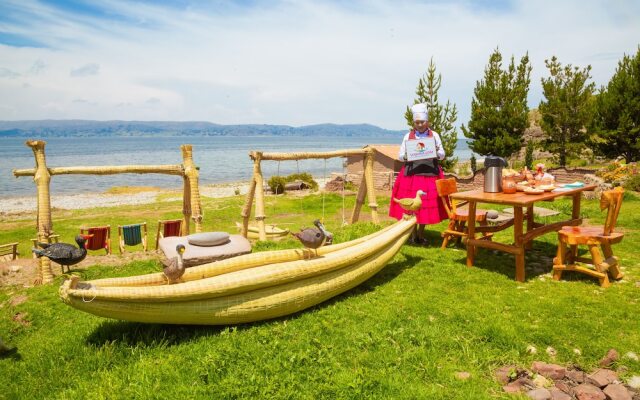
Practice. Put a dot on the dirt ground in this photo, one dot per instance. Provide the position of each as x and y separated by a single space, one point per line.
24 271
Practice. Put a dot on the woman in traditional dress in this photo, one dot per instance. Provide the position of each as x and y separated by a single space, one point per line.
420 175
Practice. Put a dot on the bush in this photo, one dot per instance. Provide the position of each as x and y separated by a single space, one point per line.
473 163
276 184
633 183
304 177
528 155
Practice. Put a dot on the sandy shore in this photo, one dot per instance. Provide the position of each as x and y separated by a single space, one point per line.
16 205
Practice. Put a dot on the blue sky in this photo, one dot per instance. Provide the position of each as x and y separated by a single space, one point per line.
295 62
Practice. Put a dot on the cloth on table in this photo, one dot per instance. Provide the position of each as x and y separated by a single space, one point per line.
197 255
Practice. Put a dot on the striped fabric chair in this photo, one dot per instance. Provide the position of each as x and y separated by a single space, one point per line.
168 228
132 235
98 237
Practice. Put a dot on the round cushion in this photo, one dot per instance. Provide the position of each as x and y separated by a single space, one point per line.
207 239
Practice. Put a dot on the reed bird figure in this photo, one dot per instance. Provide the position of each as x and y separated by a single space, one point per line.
63 253
174 267
411 204
327 234
311 239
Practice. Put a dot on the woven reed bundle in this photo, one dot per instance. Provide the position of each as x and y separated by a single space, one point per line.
106 170
280 299
307 155
271 231
232 264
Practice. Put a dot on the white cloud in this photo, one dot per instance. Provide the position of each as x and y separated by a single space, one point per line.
291 62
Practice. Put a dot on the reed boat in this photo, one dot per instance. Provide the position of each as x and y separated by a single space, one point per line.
246 288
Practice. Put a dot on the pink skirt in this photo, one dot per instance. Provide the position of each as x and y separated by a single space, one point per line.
432 211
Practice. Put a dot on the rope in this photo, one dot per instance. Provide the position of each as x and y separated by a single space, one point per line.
324 179
344 183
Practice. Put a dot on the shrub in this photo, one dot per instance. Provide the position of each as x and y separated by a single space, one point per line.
304 177
276 184
633 183
528 155
473 163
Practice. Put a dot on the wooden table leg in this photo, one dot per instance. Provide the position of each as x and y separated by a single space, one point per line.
575 212
517 235
471 233
530 225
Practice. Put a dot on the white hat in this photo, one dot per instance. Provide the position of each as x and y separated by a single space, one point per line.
420 112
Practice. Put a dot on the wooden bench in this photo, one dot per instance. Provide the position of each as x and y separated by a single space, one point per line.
8 252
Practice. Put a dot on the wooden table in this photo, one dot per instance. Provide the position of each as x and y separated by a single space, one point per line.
534 229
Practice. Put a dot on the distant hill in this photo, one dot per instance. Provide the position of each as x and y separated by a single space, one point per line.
53 128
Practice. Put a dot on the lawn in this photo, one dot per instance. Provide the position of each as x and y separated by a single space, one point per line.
404 333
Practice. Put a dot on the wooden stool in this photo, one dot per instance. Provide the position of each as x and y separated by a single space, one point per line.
570 237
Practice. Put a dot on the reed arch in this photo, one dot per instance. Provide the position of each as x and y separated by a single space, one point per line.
191 205
366 186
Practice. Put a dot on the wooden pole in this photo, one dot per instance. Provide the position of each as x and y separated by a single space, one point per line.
246 210
107 170
191 174
308 155
42 178
259 193
371 190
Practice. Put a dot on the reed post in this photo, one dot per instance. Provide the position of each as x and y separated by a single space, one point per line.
246 210
42 178
259 193
362 192
371 190
192 207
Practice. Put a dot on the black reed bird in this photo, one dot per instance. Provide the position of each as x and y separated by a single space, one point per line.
63 253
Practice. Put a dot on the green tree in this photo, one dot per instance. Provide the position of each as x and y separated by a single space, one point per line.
566 109
616 119
528 155
442 118
499 111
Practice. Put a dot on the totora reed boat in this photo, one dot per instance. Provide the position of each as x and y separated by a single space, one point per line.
246 288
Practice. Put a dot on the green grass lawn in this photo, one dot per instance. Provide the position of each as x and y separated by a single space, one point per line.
402 334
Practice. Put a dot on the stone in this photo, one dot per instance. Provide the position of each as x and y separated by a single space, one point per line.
631 355
551 371
617 392
541 382
539 394
518 385
634 382
557 394
463 375
602 377
563 386
576 376
611 357
503 374
586 391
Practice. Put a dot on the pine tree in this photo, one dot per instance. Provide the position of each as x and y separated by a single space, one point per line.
617 112
441 118
528 154
566 110
499 112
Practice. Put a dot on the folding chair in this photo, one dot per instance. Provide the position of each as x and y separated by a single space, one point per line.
9 251
592 237
132 235
98 237
168 228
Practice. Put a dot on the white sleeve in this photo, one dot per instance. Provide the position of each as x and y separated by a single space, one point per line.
439 148
403 148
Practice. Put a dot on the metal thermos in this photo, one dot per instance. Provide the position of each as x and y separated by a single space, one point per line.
493 173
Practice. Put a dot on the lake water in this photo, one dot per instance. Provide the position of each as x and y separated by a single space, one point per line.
221 159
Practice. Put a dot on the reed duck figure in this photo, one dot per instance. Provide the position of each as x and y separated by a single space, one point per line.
63 253
174 267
